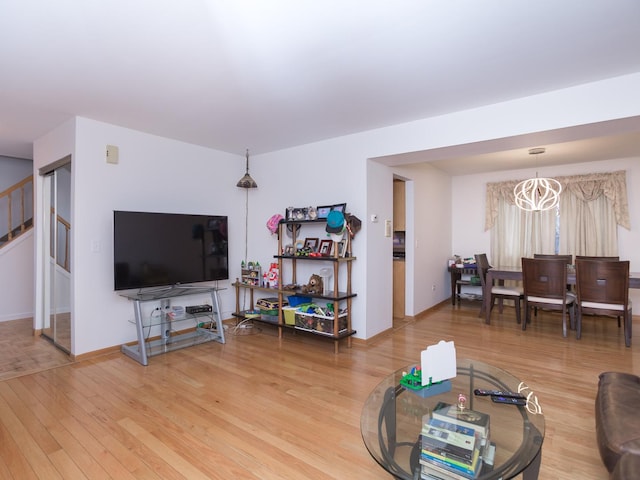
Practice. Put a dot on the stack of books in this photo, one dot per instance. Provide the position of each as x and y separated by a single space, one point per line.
451 449
467 418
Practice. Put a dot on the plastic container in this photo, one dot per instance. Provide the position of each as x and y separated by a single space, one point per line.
319 323
296 300
289 315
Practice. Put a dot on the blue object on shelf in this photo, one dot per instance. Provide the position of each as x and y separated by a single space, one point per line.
295 300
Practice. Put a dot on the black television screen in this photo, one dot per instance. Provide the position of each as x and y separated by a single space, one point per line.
158 249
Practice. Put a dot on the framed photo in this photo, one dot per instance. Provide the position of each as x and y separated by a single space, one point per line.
298 214
289 250
342 247
311 243
339 207
325 247
323 211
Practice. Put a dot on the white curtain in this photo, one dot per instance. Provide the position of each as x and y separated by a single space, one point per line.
518 234
591 208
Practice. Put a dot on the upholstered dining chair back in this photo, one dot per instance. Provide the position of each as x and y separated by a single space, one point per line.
603 289
545 286
588 257
567 258
500 292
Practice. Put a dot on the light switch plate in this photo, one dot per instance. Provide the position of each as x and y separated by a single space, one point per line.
113 154
387 228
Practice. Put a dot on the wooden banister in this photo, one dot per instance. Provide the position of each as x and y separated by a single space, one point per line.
64 262
8 193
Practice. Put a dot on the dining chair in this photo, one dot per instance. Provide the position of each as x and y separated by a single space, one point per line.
545 287
567 258
500 292
603 289
588 257
461 282
605 258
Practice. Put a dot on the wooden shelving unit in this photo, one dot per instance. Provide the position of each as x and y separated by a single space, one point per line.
288 266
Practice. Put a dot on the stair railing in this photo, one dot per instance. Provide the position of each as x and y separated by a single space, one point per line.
24 222
62 262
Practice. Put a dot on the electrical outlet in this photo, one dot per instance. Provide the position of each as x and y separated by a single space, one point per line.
433 288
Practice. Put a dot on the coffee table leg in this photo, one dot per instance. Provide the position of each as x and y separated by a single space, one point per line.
532 471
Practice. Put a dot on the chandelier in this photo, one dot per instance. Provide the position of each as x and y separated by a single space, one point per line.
537 194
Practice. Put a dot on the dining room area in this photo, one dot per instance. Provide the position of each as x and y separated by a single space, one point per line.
571 260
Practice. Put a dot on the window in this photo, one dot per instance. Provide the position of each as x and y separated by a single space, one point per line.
585 223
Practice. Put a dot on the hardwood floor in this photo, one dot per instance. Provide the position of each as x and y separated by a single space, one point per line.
21 352
261 408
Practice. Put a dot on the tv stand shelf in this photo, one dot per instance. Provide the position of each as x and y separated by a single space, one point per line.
207 325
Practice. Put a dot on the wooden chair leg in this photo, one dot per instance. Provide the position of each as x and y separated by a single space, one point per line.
627 329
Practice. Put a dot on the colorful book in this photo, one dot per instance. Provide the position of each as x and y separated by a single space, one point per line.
430 473
467 418
449 437
451 460
444 453
452 468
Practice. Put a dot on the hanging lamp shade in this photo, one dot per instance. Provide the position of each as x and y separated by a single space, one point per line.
537 194
247 181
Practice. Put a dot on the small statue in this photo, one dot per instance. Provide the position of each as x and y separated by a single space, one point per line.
462 402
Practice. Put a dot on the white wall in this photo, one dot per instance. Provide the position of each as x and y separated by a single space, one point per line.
469 198
428 235
16 258
159 174
16 265
13 170
154 174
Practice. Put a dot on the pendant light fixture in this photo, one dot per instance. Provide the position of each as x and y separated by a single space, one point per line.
537 194
247 181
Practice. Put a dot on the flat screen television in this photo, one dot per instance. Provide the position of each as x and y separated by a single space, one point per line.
164 249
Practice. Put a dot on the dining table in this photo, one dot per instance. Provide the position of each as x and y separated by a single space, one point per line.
497 276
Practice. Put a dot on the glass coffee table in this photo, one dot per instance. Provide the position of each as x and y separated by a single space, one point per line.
392 416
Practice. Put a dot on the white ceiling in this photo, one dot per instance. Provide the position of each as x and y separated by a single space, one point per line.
267 75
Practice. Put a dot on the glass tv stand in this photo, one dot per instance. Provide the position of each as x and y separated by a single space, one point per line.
207 326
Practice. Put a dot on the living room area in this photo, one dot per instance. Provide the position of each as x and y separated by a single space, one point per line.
271 402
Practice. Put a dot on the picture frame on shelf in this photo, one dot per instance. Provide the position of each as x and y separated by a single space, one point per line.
325 247
342 248
323 211
298 213
339 207
311 243
289 250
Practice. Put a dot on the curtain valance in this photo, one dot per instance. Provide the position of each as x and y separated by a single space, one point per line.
585 187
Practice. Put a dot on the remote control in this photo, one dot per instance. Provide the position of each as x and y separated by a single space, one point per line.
508 400
498 393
